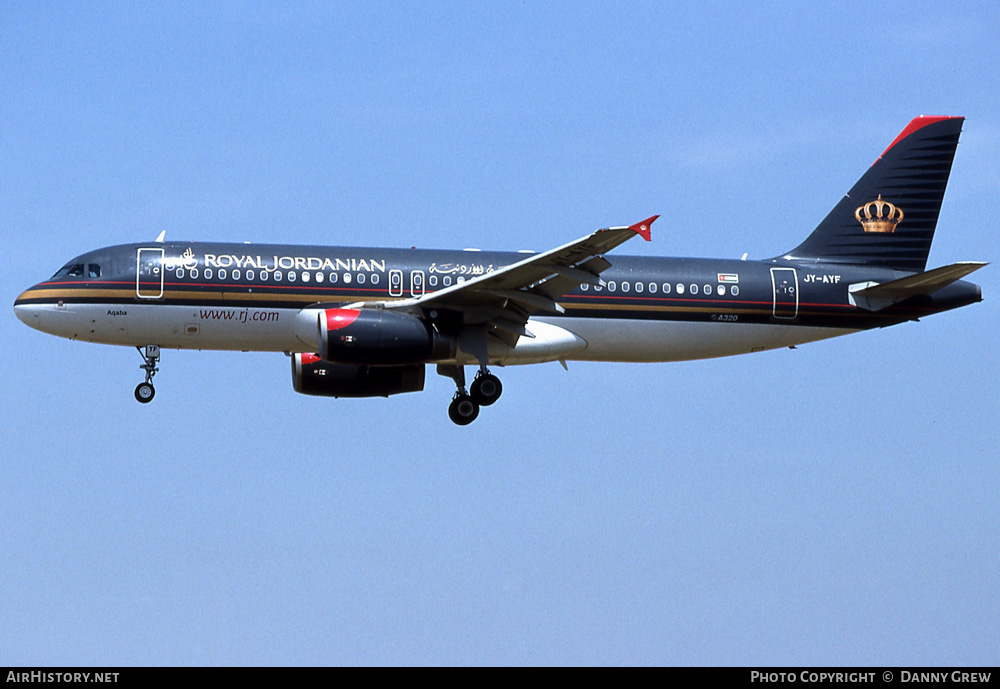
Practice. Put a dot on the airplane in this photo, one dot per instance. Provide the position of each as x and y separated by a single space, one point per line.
365 322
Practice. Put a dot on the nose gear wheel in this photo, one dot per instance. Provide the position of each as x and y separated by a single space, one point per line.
144 392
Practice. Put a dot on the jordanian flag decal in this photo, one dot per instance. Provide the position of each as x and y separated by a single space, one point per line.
729 278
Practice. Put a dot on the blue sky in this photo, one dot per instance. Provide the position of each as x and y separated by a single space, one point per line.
835 504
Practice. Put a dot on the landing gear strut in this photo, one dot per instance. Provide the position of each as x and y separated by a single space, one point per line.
485 390
144 392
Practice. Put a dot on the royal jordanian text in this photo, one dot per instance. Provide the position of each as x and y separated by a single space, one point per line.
294 263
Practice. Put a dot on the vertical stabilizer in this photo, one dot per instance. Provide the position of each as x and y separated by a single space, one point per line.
888 217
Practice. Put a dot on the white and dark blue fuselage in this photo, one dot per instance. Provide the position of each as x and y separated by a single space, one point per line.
265 298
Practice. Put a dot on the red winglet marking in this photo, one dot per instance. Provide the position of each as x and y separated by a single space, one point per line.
308 359
340 318
915 124
643 229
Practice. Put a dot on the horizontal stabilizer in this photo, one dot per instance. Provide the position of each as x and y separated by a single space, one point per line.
873 296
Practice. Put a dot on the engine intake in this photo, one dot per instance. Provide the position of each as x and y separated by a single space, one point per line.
380 337
313 376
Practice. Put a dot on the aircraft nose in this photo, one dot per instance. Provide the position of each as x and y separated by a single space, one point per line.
20 309
38 313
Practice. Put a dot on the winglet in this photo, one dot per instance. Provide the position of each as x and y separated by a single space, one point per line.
643 228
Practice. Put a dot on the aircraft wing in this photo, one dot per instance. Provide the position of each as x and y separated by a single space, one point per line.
505 298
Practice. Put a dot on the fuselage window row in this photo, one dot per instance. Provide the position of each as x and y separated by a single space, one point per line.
639 287
264 275
93 270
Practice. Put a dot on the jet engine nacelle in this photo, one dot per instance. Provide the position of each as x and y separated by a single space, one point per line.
379 337
313 376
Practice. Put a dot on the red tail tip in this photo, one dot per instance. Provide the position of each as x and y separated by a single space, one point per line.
643 229
915 124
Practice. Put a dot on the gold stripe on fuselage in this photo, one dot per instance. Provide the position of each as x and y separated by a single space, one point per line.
129 296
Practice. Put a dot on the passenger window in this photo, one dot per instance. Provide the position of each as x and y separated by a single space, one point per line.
707 290
222 273
333 277
680 288
277 276
263 276
652 288
638 287
291 276
694 289
250 275
433 280
612 286
319 277
361 278
375 279
721 290
236 274
194 273
447 280
347 278
625 287
180 273
584 287
666 288
734 290
208 273
305 277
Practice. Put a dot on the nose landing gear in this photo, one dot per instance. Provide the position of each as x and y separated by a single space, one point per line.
144 392
485 390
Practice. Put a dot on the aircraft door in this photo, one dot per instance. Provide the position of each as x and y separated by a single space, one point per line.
785 284
149 273
416 282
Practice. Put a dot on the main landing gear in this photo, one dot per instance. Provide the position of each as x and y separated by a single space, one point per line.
144 392
484 391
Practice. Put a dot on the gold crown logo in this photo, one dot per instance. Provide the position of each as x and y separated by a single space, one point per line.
879 216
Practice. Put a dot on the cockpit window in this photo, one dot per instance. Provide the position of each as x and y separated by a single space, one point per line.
73 270
93 270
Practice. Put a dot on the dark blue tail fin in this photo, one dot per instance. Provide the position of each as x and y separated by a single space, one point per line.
888 217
